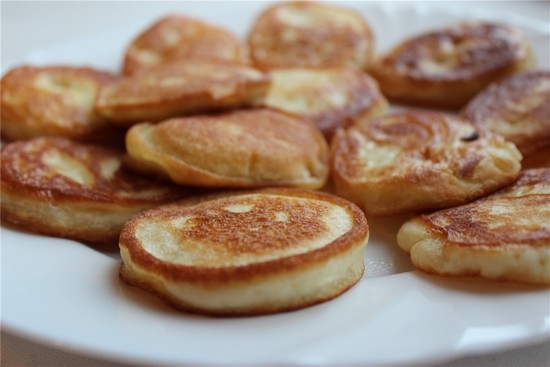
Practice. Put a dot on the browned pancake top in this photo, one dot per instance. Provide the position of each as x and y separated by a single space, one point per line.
243 226
59 167
257 145
53 100
461 52
330 97
180 78
516 215
310 34
243 235
429 141
517 107
178 36
260 132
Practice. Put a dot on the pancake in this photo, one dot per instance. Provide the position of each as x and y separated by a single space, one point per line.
445 68
52 101
178 36
61 188
518 108
330 97
257 252
416 161
502 237
241 148
310 34
182 87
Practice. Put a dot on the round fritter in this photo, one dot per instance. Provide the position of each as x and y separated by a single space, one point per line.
178 36
419 160
504 237
255 252
66 189
518 108
330 97
182 87
310 34
447 67
52 101
241 148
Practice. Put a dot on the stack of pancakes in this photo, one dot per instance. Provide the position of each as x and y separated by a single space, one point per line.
236 175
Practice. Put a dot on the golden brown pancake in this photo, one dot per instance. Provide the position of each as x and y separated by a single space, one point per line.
447 67
330 97
417 161
179 36
504 237
241 148
257 252
310 34
182 87
66 189
518 108
52 101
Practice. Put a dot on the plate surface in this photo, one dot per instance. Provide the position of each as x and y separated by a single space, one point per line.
67 294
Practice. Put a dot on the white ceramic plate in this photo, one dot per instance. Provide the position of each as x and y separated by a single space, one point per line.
67 294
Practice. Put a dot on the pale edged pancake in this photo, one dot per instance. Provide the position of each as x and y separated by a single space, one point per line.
256 252
52 101
330 97
518 108
182 87
178 36
419 160
502 237
310 34
447 67
241 148
62 188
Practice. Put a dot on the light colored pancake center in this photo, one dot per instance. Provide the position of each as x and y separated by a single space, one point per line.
67 166
81 91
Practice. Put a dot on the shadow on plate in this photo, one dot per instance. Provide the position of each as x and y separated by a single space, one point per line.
474 285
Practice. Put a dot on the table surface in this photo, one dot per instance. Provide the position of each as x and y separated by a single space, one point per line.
26 26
